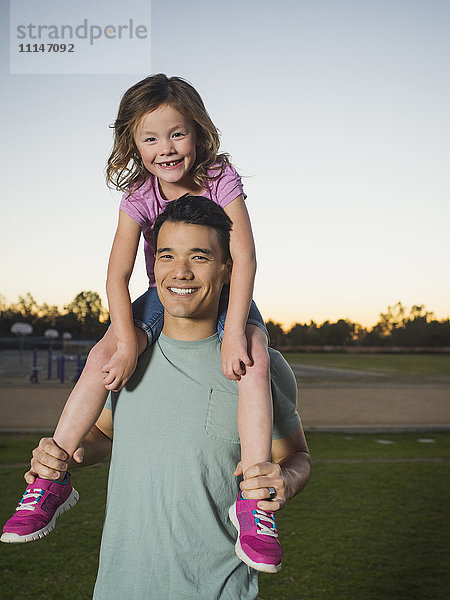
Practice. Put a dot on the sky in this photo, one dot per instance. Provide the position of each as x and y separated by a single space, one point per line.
336 114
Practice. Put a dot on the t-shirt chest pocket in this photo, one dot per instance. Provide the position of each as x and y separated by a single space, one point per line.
221 416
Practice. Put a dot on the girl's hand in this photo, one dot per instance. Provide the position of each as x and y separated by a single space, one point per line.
258 479
235 357
120 367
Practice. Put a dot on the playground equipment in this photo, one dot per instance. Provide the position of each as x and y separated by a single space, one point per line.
21 330
61 361
34 377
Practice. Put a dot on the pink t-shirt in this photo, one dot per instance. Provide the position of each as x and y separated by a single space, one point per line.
147 203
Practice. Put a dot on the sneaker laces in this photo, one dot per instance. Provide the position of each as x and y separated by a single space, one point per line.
264 529
36 493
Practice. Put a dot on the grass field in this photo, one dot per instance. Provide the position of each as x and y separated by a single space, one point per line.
372 524
423 367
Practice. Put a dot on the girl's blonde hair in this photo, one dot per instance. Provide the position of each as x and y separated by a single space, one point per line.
125 170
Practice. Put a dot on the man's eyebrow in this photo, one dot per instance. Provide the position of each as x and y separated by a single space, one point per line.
206 251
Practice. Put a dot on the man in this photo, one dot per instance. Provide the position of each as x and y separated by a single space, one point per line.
167 534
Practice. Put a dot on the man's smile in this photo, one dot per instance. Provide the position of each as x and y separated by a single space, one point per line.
182 291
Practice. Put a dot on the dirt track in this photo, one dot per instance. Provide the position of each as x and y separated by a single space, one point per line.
32 407
339 405
375 405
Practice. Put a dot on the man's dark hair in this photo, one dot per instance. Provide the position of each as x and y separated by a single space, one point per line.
197 210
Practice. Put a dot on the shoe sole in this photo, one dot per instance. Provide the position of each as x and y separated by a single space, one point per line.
241 554
15 538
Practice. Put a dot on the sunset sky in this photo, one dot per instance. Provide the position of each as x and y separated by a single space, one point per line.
336 113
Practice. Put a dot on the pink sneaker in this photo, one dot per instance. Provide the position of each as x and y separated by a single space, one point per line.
257 544
42 503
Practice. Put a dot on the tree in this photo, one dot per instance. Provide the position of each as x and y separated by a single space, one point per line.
49 312
337 334
402 328
87 307
393 318
27 306
85 315
276 334
303 334
420 312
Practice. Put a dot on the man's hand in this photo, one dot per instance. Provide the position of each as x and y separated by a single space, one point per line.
258 479
120 367
235 356
49 461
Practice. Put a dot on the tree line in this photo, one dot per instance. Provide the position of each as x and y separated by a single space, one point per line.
86 318
398 326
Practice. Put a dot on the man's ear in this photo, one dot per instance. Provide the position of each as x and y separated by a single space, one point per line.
229 268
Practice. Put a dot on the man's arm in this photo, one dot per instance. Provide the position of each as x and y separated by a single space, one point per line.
288 473
49 461
97 444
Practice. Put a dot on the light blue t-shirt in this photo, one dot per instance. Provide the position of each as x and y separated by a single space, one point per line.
167 535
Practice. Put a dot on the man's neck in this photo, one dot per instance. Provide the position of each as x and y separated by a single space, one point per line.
188 329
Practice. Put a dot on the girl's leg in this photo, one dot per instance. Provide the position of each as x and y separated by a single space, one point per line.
148 314
255 412
88 397
44 500
31 521
258 544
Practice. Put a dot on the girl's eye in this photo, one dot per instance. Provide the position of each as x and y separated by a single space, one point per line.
178 134
150 139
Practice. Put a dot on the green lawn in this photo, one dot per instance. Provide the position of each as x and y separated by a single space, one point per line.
423 366
370 530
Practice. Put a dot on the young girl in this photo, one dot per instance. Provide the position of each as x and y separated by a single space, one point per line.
165 146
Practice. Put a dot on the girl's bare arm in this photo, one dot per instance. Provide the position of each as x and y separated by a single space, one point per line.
242 249
120 268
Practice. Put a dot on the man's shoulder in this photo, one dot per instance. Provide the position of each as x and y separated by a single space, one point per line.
279 367
284 394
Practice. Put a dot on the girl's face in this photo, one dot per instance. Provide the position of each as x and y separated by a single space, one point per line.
166 142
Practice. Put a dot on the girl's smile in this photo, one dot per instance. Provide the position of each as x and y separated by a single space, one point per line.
169 165
166 141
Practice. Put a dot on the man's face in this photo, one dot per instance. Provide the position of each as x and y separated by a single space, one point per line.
190 271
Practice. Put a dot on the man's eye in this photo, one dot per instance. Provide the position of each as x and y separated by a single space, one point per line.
199 257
